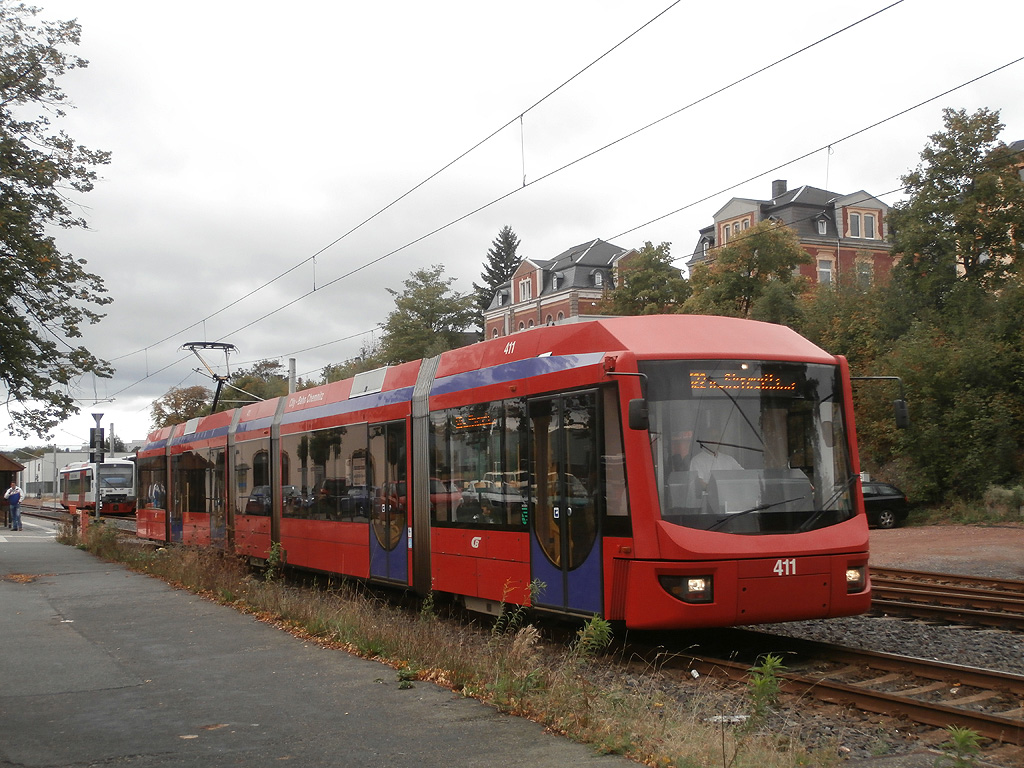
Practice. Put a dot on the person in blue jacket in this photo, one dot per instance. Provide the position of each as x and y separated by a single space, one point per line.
13 496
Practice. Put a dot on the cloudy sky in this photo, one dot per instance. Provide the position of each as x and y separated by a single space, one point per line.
253 140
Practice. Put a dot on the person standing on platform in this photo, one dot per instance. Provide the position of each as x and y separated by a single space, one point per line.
13 496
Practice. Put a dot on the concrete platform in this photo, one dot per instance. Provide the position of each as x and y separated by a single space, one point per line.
102 666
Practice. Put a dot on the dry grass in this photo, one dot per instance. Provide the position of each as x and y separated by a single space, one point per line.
572 691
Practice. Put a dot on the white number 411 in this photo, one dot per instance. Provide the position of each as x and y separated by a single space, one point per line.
785 567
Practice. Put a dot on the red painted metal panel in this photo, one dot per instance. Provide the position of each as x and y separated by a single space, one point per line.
333 547
195 529
150 524
252 535
452 573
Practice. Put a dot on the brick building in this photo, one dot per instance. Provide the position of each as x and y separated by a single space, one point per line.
563 289
845 235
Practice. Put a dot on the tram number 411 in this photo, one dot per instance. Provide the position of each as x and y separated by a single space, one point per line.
786 567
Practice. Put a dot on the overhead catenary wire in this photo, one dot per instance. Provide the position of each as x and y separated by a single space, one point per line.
415 187
564 167
525 183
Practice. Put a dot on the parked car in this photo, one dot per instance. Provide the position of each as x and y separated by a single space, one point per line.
887 506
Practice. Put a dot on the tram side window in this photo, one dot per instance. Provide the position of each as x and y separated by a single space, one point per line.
252 477
613 462
216 481
188 473
478 472
334 476
152 482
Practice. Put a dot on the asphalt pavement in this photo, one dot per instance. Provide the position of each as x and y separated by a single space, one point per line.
103 666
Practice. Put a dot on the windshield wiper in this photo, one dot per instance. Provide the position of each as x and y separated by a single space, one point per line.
824 507
758 508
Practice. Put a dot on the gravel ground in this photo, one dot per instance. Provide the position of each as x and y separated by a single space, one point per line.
996 552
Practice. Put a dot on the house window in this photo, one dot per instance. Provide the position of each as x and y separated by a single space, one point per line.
854 225
824 271
869 226
725 234
704 249
736 228
864 275
522 326
598 279
549 320
494 333
525 289
822 224
746 223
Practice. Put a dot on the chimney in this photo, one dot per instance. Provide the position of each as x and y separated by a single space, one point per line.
778 188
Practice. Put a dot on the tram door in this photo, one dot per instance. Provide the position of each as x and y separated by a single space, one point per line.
389 503
565 496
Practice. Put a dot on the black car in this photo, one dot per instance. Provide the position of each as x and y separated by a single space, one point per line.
886 505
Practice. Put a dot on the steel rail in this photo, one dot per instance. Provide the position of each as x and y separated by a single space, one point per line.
949 597
905 674
953 580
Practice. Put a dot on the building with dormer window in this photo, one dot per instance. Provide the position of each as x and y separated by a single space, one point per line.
564 289
845 235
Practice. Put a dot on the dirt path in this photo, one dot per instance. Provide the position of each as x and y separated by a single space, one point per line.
995 551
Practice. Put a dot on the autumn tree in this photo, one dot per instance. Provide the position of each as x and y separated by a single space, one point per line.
753 276
369 358
963 219
648 283
45 296
502 262
429 317
266 379
180 404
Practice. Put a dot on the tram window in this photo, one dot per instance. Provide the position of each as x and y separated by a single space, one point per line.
477 464
334 479
251 476
152 482
613 462
188 476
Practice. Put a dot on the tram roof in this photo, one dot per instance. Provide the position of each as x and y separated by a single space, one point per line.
646 336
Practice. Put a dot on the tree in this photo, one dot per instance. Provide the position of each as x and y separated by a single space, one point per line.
369 358
963 220
181 404
45 296
428 318
114 445
736 283
265 380
502 263
648 284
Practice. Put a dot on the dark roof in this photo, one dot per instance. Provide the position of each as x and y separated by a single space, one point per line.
574 268
10 465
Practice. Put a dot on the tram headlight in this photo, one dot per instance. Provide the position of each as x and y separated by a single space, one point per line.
856 579
689 589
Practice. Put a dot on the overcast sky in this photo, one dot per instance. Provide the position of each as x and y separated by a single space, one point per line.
248 137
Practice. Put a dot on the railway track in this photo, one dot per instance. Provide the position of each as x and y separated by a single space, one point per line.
945 597
50 512
922 691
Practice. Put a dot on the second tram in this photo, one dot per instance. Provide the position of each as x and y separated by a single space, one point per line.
110 483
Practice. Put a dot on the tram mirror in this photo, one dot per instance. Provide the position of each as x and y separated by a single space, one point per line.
899 409
638 416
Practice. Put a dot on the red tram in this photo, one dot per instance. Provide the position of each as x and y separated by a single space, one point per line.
667 472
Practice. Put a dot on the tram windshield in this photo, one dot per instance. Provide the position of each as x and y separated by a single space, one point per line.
749 447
